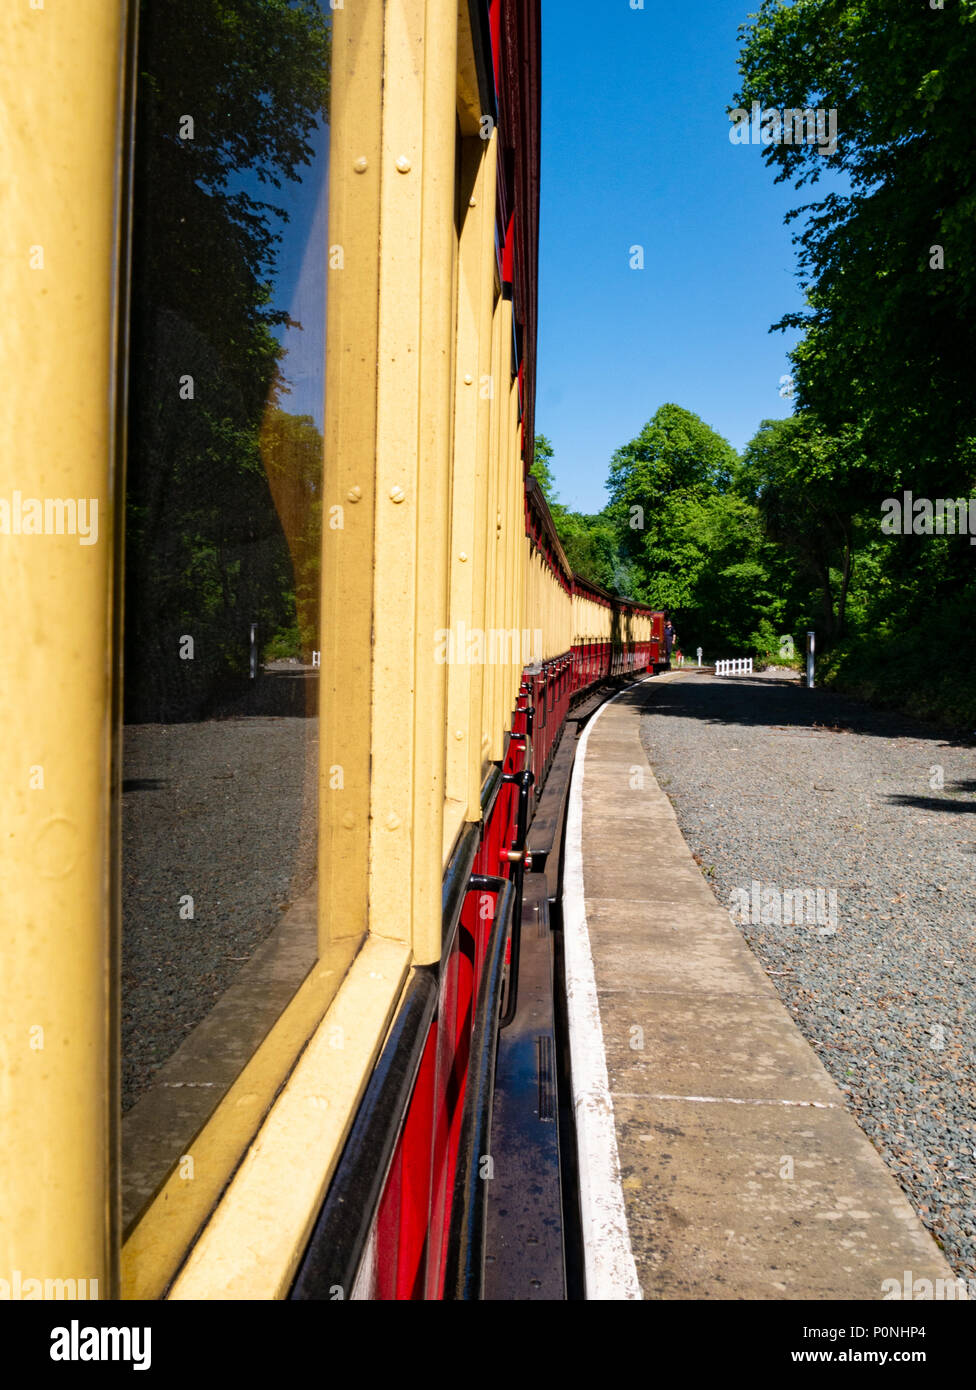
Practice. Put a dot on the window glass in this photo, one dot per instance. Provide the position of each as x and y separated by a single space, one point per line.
223 513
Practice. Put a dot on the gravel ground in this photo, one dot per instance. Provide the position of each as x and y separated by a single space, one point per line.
224 812
791 788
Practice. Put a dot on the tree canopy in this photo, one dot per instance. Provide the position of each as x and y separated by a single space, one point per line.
789 537
888 257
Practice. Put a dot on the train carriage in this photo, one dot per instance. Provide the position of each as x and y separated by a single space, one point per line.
290 690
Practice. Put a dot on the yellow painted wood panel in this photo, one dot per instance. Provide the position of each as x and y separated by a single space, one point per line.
61 91
251 1247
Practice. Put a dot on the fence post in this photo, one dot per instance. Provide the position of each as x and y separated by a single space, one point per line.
811 644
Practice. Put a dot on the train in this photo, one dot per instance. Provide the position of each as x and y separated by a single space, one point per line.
298 643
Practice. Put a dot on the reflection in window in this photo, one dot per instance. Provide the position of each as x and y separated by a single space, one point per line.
223 527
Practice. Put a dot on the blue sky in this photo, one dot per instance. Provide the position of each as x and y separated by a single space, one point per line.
636 151
301 279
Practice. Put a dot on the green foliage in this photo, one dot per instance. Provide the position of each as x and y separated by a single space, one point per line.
541 470
591 547
692 543
675 452
922 665
889 340
287 642
884 370
680 534
808 488
789 538
765 643
590 542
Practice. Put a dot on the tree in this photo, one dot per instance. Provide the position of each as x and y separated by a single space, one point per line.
590 542
884 376
541 470
807 488
889 264
675 452
592 549
657 483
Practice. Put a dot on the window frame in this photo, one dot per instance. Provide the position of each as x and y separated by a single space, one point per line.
389 379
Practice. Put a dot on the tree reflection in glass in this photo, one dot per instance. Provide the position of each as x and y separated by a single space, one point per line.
223 527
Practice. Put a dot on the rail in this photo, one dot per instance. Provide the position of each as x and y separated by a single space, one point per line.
520 860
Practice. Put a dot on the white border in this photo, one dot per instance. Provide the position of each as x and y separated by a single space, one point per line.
609 1268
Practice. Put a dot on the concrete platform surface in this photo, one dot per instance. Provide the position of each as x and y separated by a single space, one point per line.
739 1172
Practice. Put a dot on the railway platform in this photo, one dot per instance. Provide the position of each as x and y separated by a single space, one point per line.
716 1157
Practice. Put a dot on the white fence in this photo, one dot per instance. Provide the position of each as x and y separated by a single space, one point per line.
741 666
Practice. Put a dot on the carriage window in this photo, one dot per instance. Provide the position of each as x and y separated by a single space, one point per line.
223 514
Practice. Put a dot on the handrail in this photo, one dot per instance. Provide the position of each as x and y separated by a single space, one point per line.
524 780
464 1273
526 761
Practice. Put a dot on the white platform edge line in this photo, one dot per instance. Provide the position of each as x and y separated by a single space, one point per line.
608 1259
